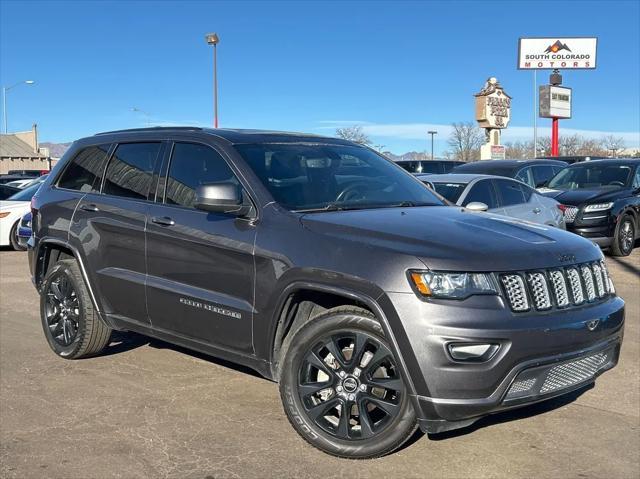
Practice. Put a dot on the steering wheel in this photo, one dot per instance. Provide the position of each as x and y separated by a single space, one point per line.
616 183
352 191
355 190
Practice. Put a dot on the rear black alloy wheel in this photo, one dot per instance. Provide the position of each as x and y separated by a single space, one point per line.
62 310
70 323
342 389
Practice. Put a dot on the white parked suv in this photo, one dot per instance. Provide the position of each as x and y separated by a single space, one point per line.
11 212
497 194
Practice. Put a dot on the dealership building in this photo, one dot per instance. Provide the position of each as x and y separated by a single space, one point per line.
21 151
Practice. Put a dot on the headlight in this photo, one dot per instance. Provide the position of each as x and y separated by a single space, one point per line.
598 207
434 284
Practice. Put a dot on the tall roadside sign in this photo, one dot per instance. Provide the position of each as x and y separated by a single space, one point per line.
556 53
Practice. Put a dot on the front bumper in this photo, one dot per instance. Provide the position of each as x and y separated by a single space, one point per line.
453 394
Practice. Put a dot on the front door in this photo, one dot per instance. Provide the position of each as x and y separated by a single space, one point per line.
200 281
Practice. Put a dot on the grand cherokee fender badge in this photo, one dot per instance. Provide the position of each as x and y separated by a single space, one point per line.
210 307
593 324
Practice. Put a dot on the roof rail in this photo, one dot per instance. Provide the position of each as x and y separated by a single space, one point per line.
152 128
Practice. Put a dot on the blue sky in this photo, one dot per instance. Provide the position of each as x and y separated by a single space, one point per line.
398 68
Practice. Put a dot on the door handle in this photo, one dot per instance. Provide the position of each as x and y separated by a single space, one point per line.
537 211
89 207
163 221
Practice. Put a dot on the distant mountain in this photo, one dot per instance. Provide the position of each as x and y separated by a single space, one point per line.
56 150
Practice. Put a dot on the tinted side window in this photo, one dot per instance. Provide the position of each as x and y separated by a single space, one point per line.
84 172
636 179
510 192
430 167
193 165
483 192
130 170
411 166
542 174
526 176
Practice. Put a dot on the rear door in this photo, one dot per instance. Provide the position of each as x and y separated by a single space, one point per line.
200 264
109 225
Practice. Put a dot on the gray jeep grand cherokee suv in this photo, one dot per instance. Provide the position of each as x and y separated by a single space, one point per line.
325 267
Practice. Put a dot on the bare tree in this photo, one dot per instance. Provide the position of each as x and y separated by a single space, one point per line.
613 144
465 141
544 146
570 144
353 133
518 150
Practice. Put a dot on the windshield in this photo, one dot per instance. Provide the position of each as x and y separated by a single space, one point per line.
323 177
450 191
592 176
26 194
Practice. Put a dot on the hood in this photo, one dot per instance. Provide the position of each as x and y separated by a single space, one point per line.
455 239
589 195
10 205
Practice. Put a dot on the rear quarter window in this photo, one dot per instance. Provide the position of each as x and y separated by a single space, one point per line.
84 171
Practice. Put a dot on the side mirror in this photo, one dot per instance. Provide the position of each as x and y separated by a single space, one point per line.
541 184
222 198
477 206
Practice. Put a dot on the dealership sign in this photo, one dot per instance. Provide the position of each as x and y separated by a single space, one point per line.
555 101
553 52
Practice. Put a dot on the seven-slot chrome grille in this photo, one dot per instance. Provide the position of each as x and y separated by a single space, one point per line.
556 287
570 214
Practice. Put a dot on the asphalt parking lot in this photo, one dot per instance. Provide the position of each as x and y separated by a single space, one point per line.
148 409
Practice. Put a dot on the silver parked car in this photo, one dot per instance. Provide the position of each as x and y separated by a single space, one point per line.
497 194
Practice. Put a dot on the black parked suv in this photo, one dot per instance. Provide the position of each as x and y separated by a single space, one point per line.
429 166
534 173
325 267
601 201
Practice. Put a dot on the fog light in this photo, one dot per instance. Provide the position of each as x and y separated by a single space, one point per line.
478 352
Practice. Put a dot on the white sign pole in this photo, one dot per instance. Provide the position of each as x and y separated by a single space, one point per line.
535 113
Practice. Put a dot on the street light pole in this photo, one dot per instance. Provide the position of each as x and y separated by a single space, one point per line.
5 89
213 39
432 133
146 115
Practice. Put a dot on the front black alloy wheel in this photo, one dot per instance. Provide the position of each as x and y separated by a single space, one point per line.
624 238
342 389
349 385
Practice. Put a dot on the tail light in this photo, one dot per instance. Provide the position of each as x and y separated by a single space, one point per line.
562 208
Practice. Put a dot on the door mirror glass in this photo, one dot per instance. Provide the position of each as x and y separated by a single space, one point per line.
477 206
223 197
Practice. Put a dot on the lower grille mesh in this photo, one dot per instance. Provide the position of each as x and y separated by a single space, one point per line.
575 372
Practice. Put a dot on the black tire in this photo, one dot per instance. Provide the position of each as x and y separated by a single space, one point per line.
13 238
375 433
70 323
624 237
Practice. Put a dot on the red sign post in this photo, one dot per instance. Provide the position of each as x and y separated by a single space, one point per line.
555 143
